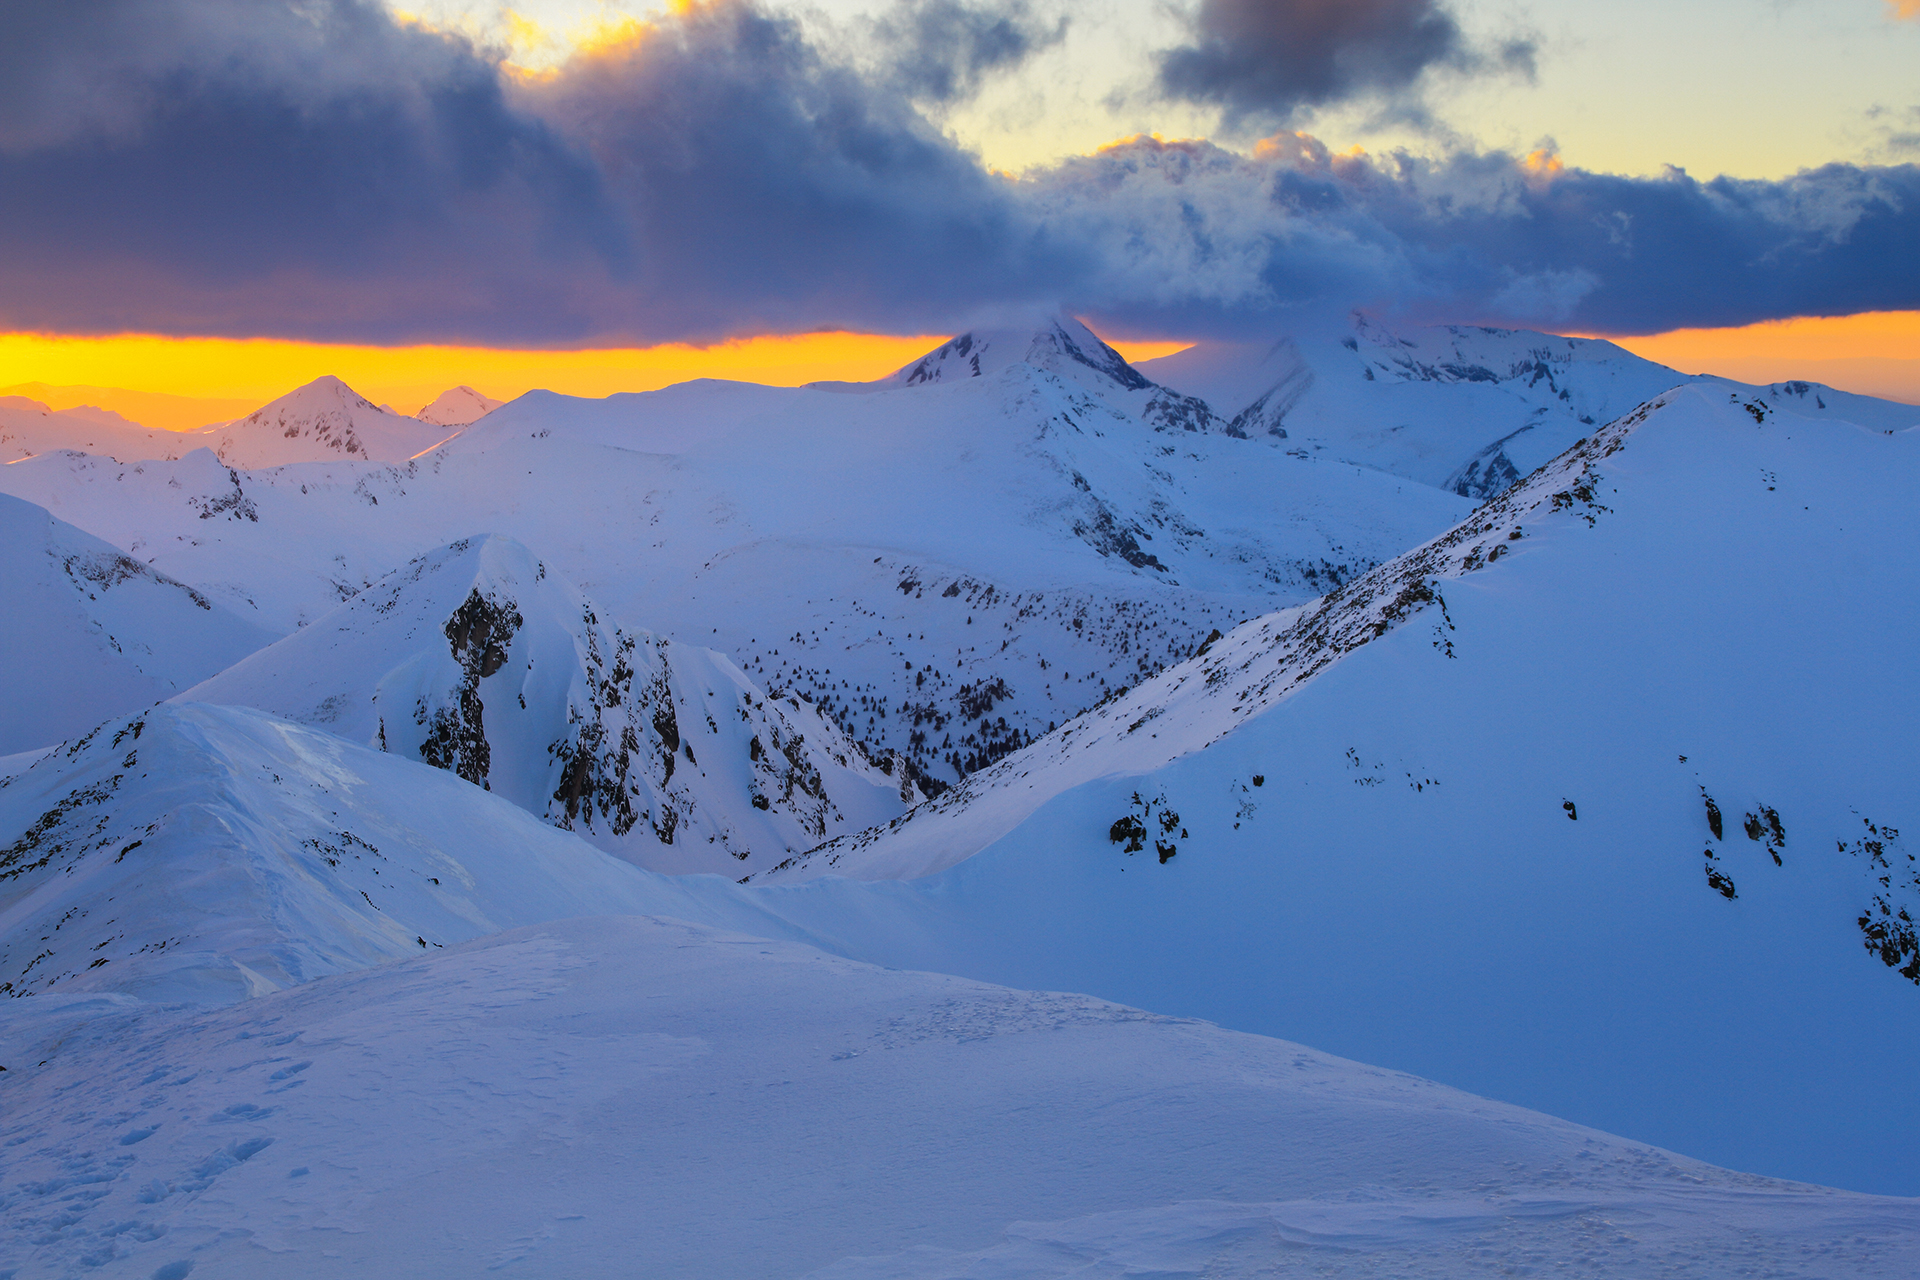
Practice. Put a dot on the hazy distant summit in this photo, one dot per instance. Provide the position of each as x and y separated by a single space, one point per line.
458 407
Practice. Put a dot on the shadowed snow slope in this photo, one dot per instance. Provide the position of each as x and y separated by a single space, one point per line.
206 854
1590 804
324 420
87 632
645 1096
478 660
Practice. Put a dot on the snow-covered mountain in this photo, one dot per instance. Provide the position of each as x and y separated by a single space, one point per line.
1592 804
324 420
609 1096
88 632
29 428
458 407
476 659
947 569
1469 409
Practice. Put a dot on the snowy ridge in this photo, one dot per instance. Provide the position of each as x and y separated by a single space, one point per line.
1239 675
1470 410
323 420
88 632
209 854
29 428
475 659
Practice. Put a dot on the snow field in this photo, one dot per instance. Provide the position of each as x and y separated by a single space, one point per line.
554 1099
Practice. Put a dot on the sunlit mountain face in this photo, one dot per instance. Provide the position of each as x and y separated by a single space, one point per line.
958 638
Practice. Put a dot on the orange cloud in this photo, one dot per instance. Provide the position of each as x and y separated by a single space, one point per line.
1544 166
1905 8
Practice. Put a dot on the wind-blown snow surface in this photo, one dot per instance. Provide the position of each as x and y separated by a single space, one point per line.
948 569
325 419
87 632
1457 820
646 1096
478 660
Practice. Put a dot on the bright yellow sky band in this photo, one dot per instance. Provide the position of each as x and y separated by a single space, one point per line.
179 383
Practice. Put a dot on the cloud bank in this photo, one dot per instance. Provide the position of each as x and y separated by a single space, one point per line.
317 170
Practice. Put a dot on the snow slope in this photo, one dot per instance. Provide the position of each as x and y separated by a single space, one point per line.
324 420
646 1096
458 407
207 854
916 559
87 632
1456 818
29 428
478 660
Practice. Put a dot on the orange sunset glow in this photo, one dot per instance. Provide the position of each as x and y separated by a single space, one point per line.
1875 353
182 383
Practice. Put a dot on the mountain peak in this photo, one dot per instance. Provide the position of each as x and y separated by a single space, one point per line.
324 420
458 407
1056 342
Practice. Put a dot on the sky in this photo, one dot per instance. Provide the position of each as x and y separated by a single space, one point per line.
597 195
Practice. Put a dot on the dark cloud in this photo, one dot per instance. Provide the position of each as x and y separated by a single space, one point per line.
1488 238
307 169
312 169
771 187
315 169
1272 58
940 51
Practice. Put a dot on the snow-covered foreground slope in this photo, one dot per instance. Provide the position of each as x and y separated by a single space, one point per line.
1469 409
918 559
29 428
87 632
650 1097
324 420
1479 817
476 659
206 854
